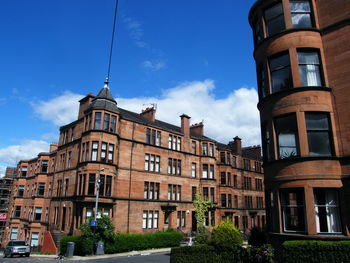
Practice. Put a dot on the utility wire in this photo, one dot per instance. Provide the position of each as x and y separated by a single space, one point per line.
112 41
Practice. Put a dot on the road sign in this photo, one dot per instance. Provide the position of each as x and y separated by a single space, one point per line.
93 223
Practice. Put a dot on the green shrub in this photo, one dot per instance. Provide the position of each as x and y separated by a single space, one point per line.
104 229
316 251
202 235
211 254
129 242
83 245
225 235
258 237
263 254
194 254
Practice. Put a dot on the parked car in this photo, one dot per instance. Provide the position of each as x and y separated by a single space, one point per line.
17 247
187 242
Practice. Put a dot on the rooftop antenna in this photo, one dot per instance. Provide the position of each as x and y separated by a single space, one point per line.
111 47
154 105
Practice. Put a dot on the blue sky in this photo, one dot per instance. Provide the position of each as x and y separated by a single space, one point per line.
188 56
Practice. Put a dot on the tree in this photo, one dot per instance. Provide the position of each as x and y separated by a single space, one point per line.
104 229
201 206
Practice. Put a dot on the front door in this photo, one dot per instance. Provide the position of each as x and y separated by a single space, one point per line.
64 219
194 222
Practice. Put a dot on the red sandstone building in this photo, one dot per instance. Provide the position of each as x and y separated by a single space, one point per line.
302 54
149 172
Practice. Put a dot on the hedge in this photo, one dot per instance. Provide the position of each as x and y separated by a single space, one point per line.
304 251
211 254
123 242
83 245
129 242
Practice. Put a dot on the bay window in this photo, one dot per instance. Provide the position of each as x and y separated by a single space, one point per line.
318 134
97 123
94 151
327 211
281 75
286 132
106 122
293 214
110 152
301 14
103 151
113 123
309 68
274 19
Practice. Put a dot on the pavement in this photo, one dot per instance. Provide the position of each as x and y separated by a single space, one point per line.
94 257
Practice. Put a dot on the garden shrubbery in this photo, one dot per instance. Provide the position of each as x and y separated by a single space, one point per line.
211 254
114 242
223 245
83 245
129 242
312 251
225 235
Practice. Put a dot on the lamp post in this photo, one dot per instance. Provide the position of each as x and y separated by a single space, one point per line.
96 206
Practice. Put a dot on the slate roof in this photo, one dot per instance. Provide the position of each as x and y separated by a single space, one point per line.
104 101
248 154
133 116
245 151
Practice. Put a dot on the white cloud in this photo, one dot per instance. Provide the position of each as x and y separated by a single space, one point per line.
224 118
59 110
26 149
135 30
153 65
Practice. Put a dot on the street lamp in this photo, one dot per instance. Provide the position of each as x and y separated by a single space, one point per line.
94 223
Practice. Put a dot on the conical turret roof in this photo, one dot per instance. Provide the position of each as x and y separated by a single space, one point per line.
104 100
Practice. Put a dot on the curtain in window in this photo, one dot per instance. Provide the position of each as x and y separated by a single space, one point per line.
327 211
332 212
309 69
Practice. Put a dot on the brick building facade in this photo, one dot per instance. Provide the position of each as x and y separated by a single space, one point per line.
303 65
149 173
5 193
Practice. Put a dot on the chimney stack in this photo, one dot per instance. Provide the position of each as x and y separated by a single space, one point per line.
197 128
84 104
185 124
236 145
53 146
149 114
